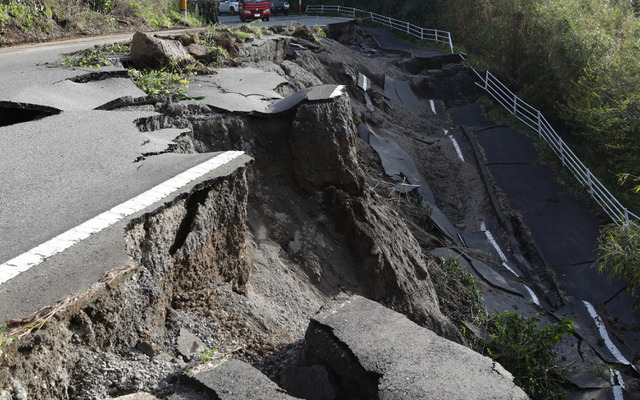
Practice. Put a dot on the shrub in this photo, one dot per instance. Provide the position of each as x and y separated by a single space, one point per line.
528 352
619 253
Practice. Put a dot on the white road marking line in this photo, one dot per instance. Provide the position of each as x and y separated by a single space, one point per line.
614 376
504 264
35 256
455 144
533 295
493 242
364 82
337 92
605 335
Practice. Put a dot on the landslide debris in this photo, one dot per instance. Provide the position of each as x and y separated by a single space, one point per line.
243 263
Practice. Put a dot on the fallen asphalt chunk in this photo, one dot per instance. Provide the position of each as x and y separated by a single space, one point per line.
234 379
375 352
401 92
397 163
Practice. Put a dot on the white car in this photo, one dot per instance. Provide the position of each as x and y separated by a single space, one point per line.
227 6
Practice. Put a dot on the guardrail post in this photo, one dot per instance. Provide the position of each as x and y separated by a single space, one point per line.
322 9
486 81
515 104
562 157
407 28
539 124
421 34
626 217
436 32
450 42
390 25
590 181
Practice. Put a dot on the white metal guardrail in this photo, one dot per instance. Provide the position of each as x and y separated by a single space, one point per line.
534 119
512 103
434 35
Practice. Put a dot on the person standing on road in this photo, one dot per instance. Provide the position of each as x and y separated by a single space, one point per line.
205 7
215 5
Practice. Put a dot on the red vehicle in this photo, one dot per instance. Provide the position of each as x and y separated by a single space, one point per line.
254 9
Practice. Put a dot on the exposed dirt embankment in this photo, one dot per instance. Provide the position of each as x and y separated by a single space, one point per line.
243 262
174 249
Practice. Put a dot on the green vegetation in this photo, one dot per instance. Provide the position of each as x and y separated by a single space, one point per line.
209 355
24 13
468 282
95 56
161 82
4 341
33 20
619 254
623 178
528 352
318 33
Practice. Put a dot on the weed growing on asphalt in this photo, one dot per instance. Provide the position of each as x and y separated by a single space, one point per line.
4 341
254 29
528 352
160 82
95 56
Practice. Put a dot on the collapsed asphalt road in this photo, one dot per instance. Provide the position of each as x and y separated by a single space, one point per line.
243 260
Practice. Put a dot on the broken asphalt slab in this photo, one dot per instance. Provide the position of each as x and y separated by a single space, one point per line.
468 115
242 90
590 329
235 379
86 165
575 278
401 92
252 91
103 250
397 163
582 365
375 352
389 43
74 93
